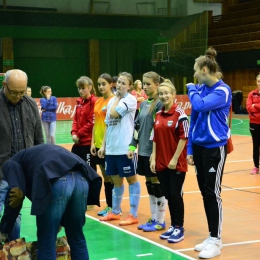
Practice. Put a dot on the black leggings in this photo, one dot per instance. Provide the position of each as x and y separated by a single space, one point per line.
255 133
171 184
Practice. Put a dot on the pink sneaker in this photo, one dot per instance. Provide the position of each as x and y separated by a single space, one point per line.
255 170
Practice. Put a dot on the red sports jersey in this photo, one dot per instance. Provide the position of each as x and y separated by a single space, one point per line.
169 128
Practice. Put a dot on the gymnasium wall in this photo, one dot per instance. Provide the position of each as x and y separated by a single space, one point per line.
59 63
132 7
53 47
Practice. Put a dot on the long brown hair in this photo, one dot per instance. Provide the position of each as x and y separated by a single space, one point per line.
157 79
43 90
84 80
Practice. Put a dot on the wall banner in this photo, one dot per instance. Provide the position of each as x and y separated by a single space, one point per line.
67 106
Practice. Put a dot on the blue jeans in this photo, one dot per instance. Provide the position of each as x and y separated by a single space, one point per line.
49 129
67 208
4 187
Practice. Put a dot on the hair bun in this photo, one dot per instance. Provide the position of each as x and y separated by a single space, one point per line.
211 52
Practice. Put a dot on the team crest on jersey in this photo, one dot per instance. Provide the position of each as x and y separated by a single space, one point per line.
104 109
157 122
169 123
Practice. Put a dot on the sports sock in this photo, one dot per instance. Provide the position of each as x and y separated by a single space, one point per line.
117 197
134 194
153 207
161 204
108 193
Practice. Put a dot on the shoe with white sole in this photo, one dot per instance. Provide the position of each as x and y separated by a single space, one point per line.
199 247
211 249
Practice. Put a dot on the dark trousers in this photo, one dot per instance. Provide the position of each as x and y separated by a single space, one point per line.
84 153
171 184
209 166
255 133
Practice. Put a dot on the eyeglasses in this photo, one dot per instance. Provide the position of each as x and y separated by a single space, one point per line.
14 93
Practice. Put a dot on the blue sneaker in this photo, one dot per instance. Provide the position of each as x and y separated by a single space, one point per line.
168 233
150 221
155 226
105 211
177 235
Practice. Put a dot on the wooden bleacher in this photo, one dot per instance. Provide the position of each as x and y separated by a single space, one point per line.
238 14
234 30
244 6
238 29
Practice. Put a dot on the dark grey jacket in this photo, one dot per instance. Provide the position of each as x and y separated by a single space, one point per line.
32 128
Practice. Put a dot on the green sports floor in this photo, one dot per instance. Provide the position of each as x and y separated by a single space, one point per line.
105 241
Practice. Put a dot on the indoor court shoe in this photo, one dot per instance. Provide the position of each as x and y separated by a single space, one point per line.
255 170
200 246
140 227
211 249
168 233
110 216
105 211
130 220
177 235
156 226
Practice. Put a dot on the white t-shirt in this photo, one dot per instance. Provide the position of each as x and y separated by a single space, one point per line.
120 130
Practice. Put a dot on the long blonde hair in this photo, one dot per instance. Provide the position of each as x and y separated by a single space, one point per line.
169 85
136 84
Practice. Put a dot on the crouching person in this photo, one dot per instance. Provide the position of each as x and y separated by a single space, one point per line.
60 185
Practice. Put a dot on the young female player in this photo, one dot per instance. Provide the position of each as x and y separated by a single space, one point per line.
83 120
100 109
168 159
144 124
119 132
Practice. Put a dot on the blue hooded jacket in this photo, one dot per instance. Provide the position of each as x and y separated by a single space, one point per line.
208 120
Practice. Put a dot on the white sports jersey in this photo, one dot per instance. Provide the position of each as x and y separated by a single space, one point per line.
120 130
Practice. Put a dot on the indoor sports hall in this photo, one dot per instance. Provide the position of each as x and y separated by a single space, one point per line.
56 42
241 199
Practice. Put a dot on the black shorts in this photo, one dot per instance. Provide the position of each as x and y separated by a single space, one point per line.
84 153
98 160
143 166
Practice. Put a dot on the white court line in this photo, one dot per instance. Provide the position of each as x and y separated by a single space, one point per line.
230 244
197 191
143 238
226 189
239 123
141 255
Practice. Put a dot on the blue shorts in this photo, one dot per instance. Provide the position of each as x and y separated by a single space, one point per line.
120 165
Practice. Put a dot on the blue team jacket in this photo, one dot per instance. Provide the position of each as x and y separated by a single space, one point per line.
208 120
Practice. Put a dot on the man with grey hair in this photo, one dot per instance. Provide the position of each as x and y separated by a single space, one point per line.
20 126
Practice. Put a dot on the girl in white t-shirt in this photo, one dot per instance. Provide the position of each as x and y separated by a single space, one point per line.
120 127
